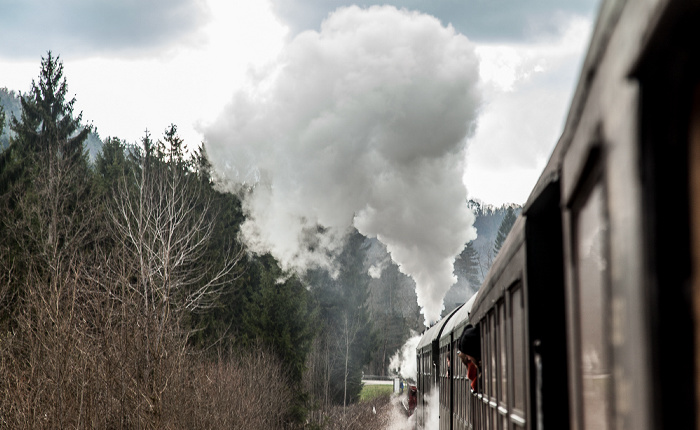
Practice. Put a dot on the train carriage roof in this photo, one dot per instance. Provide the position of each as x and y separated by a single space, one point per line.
459 319
433 333
503 272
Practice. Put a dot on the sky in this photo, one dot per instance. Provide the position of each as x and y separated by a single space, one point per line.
334 113
136 65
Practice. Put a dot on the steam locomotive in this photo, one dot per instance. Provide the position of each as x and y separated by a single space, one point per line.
588 316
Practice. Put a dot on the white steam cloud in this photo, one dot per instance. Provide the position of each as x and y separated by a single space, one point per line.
404 362
375 271
363 123
398 420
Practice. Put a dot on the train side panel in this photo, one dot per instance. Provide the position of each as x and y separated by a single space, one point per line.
626 234
501 314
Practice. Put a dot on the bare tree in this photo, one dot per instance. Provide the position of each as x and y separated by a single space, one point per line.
350 328
162 222
164 218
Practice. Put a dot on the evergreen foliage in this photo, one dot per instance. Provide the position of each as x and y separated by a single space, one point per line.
45 187
347 337
467 266
394 312
111 164
47 121
504 229
279 312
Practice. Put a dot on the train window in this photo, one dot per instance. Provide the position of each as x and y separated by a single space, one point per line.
464 392
443 385
486 373
591 265
503 356
517 320
493 359
443 370
494 369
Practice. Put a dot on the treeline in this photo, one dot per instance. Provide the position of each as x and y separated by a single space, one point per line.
127 301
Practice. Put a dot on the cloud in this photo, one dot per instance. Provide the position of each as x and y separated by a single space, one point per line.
527 90
493 20
188 87
84 27
363 123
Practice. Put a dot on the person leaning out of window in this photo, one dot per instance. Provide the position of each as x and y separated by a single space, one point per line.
469 352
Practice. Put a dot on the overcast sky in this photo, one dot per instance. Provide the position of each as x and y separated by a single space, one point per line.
135 65
387 117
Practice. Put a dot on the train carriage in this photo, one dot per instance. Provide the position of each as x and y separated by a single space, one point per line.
428 367
453 413
588 316
627 249
500 314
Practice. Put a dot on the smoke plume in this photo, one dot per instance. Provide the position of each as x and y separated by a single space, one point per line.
363 123
404 362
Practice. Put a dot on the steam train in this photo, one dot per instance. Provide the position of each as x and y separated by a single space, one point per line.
588 316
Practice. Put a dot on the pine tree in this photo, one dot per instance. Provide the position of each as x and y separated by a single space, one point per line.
47 122
45 185
48 144
111 164
281 315
202 165
467 266
504 229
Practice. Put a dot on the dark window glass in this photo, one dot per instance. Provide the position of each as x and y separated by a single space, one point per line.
517 321
486 374
503 358
493 359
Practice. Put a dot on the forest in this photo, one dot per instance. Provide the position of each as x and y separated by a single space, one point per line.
127 299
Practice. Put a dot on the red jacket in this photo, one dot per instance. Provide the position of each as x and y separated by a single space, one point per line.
472 374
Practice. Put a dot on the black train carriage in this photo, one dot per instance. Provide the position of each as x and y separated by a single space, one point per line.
520 313
506 397
454 385
428 368
588 316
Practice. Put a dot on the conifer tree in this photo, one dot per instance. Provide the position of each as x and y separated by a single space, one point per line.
282 316
467 265
203 166
47 122
45 184
504 229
